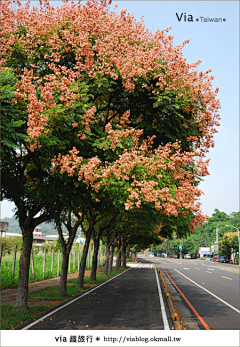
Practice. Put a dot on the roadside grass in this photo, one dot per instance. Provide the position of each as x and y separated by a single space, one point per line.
52 293
100 277
12 318
9 280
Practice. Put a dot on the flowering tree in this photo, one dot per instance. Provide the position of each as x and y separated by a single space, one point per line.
229 243
111 105
25 176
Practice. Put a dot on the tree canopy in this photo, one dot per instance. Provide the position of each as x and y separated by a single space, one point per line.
99 109
102 91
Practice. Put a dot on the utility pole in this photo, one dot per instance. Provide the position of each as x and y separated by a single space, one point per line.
217 231
166 243
180 248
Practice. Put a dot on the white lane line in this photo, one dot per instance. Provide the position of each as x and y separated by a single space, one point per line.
186 268
210 269
70 302
209 272
215 296
227 278
164 315
197 268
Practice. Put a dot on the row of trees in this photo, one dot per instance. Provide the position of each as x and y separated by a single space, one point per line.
205 236
105 126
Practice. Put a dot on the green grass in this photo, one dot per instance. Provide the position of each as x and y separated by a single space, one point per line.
100 277
11 318
52 293
9 281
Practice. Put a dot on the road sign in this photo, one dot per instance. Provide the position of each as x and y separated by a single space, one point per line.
180 247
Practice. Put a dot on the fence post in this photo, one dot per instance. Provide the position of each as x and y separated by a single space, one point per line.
44 262
73 260
78 258
1 249
69 263
52 260
58 264
33 274
14 260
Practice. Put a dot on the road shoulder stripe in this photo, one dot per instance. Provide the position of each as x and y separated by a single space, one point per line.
164 315
215 296
188 302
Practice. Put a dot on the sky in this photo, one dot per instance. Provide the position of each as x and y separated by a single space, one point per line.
216 44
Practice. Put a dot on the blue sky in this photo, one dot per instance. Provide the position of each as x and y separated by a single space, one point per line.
217 45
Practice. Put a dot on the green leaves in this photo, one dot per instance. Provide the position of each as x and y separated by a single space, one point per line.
13 119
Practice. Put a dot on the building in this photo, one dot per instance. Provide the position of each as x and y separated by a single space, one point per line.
4 228
204 251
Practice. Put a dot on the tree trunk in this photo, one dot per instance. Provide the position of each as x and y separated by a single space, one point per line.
27 224
84 259
124 253
66 248
95 259
111 258
106 268
24 264
118 262
63 279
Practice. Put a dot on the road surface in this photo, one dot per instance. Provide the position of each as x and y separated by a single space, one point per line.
134 299
212 289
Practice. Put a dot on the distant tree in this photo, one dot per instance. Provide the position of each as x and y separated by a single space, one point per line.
219 215
9 243
234 219
229 244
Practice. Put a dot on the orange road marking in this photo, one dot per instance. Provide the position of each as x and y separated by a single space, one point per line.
188 302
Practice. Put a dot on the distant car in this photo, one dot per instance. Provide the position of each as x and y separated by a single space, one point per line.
223 259
215 258
187 256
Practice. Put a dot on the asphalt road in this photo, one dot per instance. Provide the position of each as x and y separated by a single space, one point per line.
212 289
128 301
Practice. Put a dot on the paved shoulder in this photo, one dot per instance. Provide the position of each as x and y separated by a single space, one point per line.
128 301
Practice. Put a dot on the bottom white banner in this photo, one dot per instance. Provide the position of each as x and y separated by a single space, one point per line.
119 338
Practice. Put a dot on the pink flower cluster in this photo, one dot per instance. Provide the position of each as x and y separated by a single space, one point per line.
118 46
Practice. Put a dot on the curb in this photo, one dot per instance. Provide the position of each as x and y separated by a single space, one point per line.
169 298
182 317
